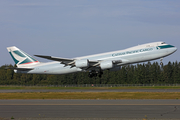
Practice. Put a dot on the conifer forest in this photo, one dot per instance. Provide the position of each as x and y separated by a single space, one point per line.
145 73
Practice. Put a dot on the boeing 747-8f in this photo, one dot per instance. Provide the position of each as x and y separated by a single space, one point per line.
94 64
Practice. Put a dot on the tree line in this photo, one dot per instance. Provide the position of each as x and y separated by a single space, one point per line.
147 73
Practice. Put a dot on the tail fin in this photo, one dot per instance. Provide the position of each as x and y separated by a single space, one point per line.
21 58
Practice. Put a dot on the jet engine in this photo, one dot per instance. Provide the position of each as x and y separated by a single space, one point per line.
82 63
106 65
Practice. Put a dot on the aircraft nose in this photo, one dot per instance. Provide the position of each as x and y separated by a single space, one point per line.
172 49
175 49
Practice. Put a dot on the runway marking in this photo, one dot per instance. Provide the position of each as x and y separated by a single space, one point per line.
97 104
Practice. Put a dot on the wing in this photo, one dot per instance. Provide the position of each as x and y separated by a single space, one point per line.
65 60
72 62
68 61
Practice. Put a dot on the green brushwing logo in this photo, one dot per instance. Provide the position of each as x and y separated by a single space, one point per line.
20 57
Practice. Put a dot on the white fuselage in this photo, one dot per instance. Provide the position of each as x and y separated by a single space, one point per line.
140 53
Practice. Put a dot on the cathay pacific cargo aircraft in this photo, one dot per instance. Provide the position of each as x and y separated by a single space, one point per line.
94 64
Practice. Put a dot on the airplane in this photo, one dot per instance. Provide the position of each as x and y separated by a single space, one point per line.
94 64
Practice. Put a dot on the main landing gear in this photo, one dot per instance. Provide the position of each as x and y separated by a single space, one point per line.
94 73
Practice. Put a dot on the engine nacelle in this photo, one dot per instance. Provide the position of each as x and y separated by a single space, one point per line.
82 63
106 65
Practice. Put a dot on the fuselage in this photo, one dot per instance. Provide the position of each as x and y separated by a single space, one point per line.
137 54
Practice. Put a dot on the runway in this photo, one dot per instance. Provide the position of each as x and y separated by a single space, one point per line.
90 109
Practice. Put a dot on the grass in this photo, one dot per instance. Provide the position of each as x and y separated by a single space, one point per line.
90 95
131 87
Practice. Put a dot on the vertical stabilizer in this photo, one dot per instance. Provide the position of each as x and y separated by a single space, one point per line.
21 58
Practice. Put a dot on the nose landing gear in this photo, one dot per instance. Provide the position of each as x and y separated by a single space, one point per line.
161 63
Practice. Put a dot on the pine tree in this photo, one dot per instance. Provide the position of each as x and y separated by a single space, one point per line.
130 74
175 73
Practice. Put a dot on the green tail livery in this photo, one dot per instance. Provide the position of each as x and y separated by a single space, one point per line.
20 57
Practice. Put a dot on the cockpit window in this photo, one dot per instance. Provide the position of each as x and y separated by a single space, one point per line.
163 43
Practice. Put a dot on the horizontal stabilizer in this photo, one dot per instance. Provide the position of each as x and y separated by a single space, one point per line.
22 69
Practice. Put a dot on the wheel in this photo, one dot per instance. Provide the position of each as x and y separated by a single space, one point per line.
100 74
92 74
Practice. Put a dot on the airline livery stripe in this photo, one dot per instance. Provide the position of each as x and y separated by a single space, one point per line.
165 46
19 53
16 61
29 63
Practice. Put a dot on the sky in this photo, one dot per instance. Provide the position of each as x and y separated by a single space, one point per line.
74 28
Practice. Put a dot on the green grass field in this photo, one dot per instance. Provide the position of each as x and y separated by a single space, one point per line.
92 95
46 87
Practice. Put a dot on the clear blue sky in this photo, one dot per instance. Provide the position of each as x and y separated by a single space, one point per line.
73 28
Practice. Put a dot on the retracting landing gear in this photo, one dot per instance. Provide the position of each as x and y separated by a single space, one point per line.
94 73
100 73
